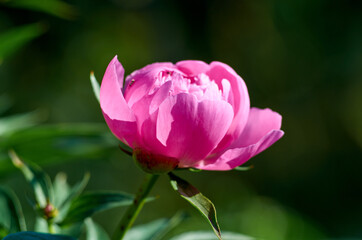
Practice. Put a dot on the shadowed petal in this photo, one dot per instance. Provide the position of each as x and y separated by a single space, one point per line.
192 67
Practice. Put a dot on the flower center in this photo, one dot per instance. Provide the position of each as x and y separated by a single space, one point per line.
201 86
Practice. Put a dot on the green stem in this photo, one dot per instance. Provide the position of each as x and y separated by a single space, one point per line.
51 229
132 212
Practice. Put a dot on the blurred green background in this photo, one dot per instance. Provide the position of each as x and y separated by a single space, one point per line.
303 59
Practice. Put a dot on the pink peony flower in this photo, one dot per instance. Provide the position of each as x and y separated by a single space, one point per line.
188 114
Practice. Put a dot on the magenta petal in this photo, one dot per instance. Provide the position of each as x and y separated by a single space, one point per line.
189 129
233 158
140 82
260 123
114 107
238 97
260 132
192 67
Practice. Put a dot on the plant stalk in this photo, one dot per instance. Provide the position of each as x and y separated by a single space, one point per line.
132 212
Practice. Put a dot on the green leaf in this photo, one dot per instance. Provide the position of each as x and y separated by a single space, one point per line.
199 201
50 144
94 231
11 215
5 103
63 206
95 85
202 235
88 204
15 38
14 123
53 7
61 189
36 236
154 230
244 168
39 180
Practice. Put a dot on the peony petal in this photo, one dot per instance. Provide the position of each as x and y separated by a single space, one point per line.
192 67
260 132
150 103
233 158
113 105
140 83
238 97
189 129
260 122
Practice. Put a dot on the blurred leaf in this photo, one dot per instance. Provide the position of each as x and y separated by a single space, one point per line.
11 215
41 225
202 235
61 189
14 123
154 230
15 38
94 231
5 103
199 201
49 144
95 85
74 192
52 7
88 204
36 236
39 180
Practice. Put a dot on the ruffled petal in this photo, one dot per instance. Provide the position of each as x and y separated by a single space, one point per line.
238 97
192 67
117 114
189 129
233 158
260 123
260 132
140 83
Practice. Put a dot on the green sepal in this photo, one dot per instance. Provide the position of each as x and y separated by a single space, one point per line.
244 168
95 86
199 201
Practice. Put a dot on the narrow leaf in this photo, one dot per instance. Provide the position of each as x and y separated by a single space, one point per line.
11 215
95 85
88 204
94 231
14 123
39 180
154 230
74 192
199 201
203 235
53 7
15 38
50 144
36 236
